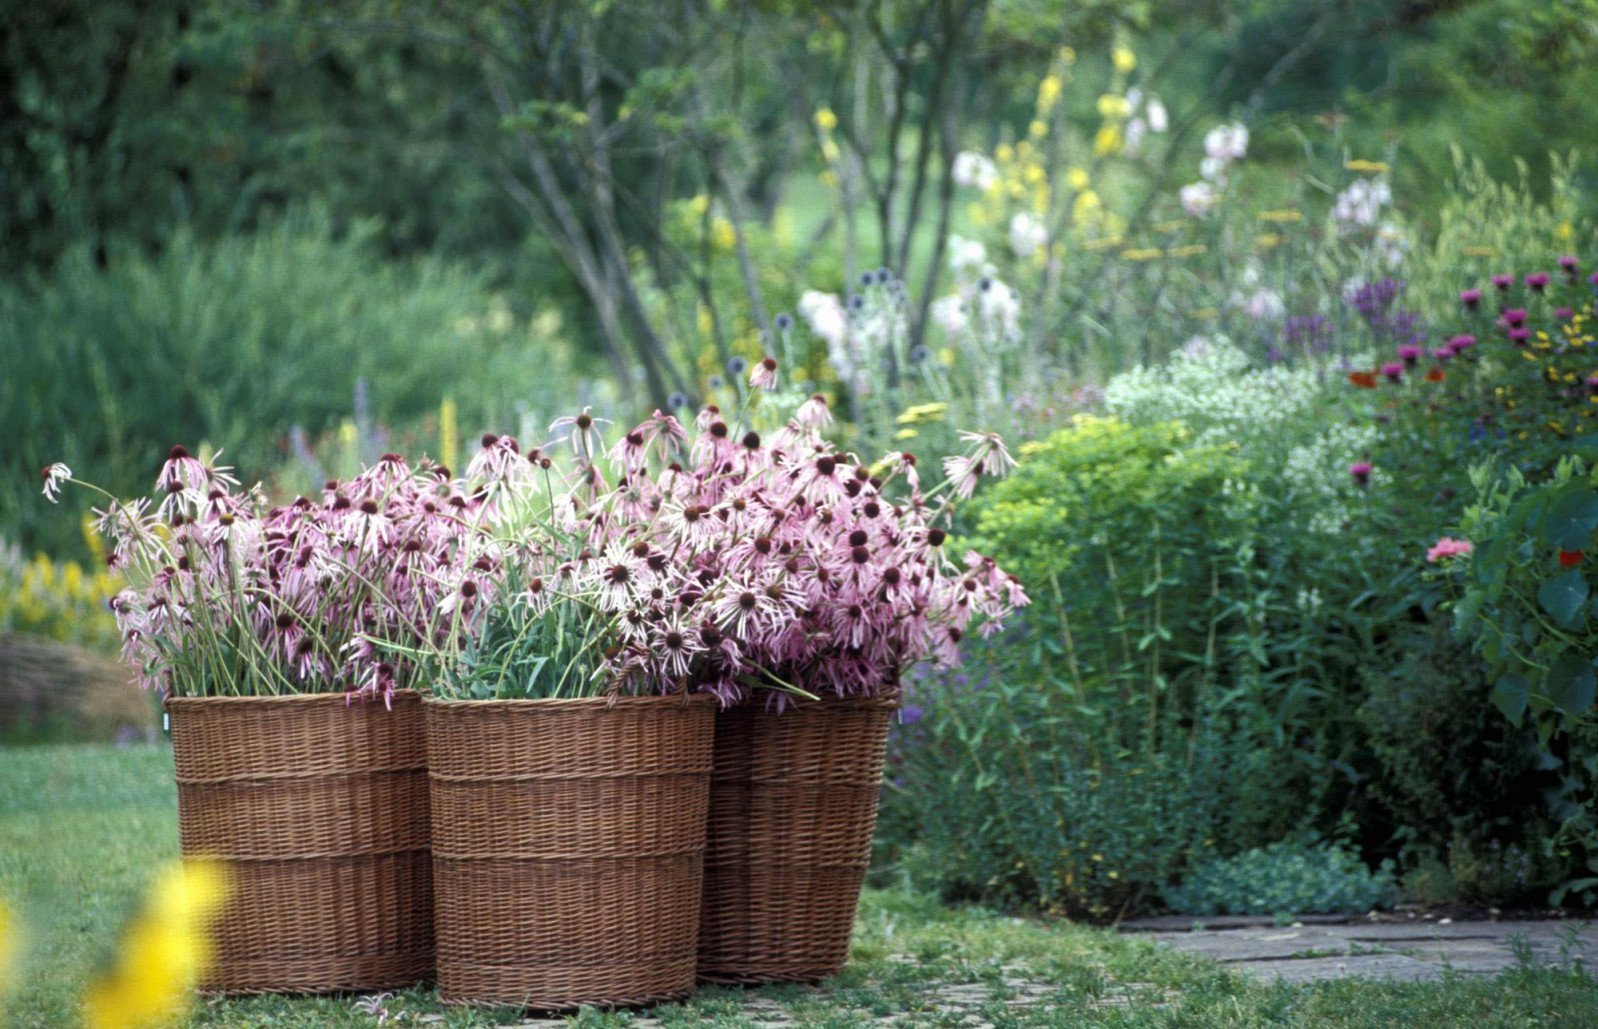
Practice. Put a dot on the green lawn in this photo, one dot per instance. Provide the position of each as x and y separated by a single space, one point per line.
81 826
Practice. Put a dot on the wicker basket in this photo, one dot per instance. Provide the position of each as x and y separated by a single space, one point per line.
568 848
793 802
320 806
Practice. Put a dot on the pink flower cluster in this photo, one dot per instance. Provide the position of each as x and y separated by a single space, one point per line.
733 560
1448 547
239 597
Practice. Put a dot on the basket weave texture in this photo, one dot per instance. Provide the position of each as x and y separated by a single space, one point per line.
319 805
793 803
568 848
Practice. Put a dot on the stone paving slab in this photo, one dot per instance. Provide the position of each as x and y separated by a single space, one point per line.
1404 951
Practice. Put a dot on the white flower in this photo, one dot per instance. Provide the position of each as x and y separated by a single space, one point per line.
1391 245
1198 198
54 476
974 170
1027 234
949 314
1159 120
1263 304
966 255
1362 202
1000 307
823 312
1227 143
1135 131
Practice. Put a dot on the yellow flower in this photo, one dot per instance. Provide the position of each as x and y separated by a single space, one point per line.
1566 232
1143 254
9 946
826 121
1479 251
1191 250
1123 59
976 213
1098 857
1108 142
1286 214
1115 875
1086 205
1267 240
922 412
1077 178
1038 129
1004 153
1067 55
829 151
904 434
1049 93
722 237
1369 167
1113 106
164 951
830 178
703 321
699 205
946 357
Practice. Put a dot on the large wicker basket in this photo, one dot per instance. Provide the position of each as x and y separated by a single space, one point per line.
793 803
319 804
568 848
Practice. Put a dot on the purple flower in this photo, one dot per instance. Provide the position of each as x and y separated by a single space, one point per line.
1537 281
1309 332
1519 335
1471 298
910 714
1503 282
1393 370
1361 471
1443 353
1564 314
1409 354
1515 316
1568 263
1461 343
1592 384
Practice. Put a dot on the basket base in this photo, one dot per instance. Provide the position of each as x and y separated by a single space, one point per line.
557 988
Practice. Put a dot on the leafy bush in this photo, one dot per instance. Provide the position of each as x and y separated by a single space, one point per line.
233 343
59 599
1284 878
1528 607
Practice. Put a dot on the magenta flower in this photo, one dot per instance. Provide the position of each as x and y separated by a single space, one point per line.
1537 281
1519 335
1565 314
1461 343
1568 262
1443 353
1471 298
1503 282
1393 370
1514 316
1361 472
1448 547
1410 354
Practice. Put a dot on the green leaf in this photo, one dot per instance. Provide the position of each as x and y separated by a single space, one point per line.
1510 695
1572 684
1572 519
1563 596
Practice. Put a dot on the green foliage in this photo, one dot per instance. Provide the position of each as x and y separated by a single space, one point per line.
1285 878
232 344
1526 607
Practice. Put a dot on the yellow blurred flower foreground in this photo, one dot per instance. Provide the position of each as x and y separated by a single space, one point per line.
8 949
163 951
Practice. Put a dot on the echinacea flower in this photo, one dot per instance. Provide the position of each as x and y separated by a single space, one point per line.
54 476
764 374
1447 547
1471 298
813 413
1361 472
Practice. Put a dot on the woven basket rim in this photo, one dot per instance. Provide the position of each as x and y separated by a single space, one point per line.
344 697
568 703
892 703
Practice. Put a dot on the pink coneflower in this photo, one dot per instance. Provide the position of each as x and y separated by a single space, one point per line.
1361 471
1503 282
1448 547
764 374
1393 370
1409 354
1471 298
1537 281
813 413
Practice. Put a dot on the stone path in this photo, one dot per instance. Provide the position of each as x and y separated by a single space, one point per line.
1331 949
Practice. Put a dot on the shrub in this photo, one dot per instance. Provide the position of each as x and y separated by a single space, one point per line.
1285 878
58 599
236 341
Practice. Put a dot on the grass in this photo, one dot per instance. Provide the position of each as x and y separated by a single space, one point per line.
81 827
